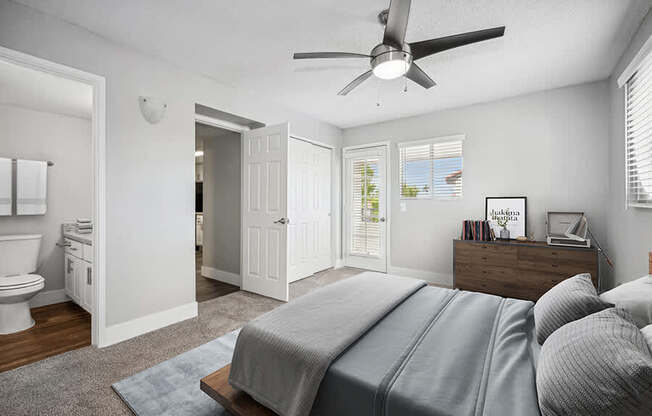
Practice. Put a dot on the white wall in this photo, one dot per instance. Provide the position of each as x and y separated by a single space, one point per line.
221 249
630 230
550 146
150 168
65 140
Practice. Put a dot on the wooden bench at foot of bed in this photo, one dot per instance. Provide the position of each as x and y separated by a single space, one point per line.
239 403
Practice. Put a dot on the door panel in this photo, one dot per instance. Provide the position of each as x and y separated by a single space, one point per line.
309 174
365 221
265 186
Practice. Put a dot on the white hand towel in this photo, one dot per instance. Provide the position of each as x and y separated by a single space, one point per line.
31 184
5 186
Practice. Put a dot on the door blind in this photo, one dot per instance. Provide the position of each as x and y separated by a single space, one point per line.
638 130
365 227
431 168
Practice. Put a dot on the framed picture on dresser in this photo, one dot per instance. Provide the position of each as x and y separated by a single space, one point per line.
508 212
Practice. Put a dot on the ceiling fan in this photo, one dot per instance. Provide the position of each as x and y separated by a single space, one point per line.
394 57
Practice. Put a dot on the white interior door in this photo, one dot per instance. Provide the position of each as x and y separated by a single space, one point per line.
365 203
309 207
265 211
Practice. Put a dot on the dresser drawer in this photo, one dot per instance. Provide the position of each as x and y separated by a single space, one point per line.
501 281
563 262
485 254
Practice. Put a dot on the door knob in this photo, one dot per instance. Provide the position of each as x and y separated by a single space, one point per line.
282 221
382 219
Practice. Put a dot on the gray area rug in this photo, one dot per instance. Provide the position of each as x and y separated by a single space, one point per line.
172 387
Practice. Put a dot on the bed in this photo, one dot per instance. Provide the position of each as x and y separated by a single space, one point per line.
388 346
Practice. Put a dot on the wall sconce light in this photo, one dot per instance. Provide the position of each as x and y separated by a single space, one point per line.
152 109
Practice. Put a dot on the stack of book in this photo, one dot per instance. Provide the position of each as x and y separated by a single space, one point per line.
477 230
84 226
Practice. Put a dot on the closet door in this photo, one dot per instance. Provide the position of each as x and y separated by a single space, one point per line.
309 207
322 203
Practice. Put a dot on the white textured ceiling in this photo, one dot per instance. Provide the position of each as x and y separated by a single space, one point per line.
27 88
249 43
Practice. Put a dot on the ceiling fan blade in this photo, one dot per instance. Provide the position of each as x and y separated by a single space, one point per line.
351 85
323 55
417 75
397 21
432 46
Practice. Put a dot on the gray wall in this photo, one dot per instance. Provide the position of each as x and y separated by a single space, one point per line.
630 230
221 249
28 134
551 147
150 168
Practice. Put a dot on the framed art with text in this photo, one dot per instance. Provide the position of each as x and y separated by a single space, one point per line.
507 212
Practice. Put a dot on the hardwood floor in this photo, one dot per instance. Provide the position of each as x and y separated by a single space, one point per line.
208 288
59 328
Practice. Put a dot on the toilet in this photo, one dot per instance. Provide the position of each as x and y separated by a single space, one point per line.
18 260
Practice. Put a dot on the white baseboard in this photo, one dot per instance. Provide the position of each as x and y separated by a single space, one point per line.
126 330
339 263
221 275
49 297
444 279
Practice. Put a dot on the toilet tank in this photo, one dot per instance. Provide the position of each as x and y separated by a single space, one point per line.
19 253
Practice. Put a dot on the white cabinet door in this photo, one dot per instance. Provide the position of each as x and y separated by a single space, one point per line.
78 272
265 211
86 284
69 273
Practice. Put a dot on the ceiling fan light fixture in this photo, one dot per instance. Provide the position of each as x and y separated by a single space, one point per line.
391 69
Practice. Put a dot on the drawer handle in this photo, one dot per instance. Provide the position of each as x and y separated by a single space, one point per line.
554 265
484 257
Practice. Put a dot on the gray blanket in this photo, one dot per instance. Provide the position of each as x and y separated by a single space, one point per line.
281 358
439 353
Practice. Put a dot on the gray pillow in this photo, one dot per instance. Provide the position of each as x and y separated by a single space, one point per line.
570 300
598 365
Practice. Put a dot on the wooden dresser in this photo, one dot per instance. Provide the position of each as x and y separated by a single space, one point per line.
522 270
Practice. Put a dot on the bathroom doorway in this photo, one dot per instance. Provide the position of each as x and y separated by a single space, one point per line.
59 208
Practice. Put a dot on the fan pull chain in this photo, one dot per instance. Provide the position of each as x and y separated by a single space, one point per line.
405 78
378 103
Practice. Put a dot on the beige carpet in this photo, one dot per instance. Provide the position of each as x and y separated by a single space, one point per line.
79 382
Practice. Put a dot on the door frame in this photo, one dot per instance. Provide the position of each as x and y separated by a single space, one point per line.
388 201
98 123
237 128
334 207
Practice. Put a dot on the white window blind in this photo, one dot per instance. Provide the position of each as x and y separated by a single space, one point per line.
365 215
431 168
638 131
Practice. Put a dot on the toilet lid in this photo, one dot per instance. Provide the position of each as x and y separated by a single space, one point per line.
20 281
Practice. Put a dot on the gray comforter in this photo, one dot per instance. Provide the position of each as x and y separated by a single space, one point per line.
436 352
441 352
280 358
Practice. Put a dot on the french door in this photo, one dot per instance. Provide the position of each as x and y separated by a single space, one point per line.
365 208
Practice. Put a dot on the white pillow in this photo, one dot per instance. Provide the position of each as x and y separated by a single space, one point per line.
647 333
635 297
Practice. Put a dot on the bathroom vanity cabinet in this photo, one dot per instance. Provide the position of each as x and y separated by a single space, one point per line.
78 267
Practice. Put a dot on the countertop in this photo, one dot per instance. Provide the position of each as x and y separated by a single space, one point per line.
82 238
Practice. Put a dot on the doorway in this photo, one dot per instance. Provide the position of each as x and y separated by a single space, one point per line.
92 275
365 207
217 212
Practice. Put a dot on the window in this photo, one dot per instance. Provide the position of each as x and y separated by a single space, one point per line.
638 135
431 168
